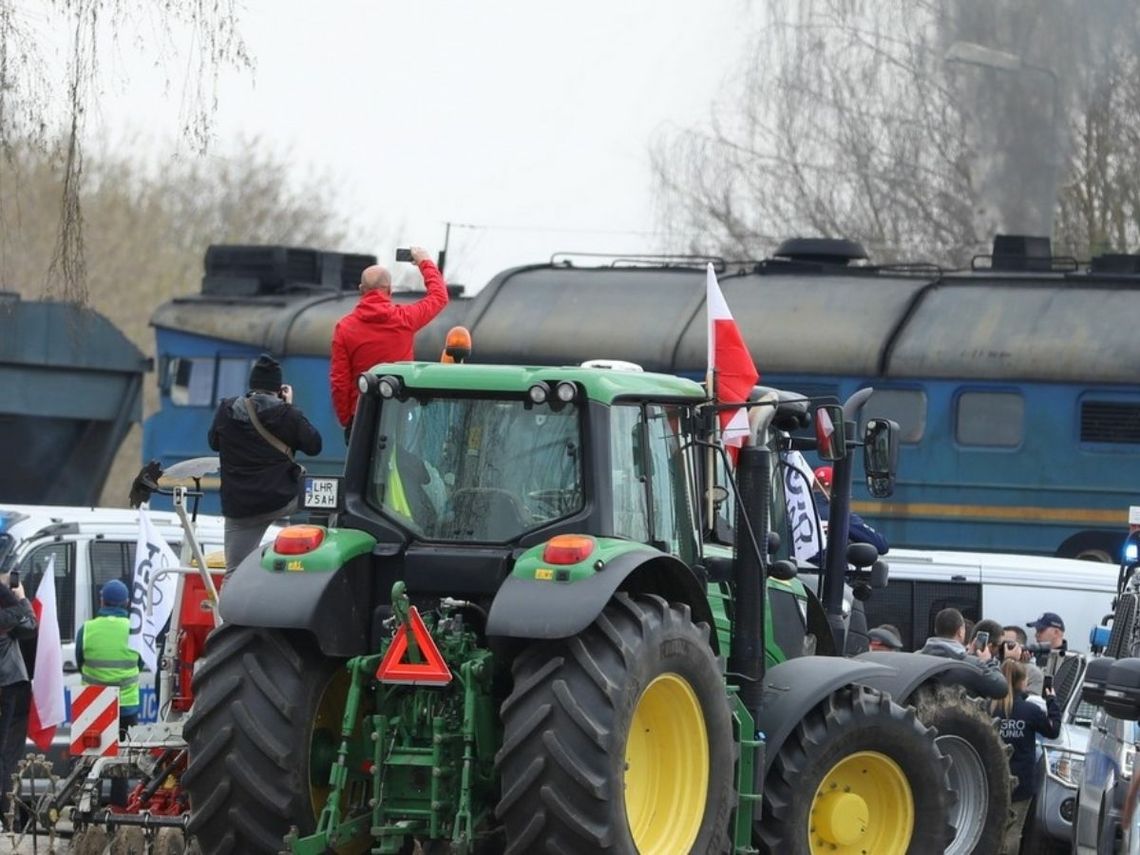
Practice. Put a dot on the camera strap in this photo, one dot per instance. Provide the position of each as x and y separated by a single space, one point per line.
251 411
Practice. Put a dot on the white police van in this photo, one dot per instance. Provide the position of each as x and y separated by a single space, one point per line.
89 547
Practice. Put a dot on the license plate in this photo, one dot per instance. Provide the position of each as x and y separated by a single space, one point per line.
321 493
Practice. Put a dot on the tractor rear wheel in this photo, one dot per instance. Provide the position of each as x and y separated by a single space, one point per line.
979 768
265 703
619 740
859 774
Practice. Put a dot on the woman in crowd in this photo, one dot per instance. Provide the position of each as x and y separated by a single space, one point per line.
1021 721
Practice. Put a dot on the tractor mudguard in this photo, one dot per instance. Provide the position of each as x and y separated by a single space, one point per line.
534 608
332 605
796 686
908 671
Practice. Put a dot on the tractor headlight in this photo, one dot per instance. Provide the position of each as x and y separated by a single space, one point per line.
566 391
1064 766
538 393
389 386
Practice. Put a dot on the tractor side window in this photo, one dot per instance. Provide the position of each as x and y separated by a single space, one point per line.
674 526
649 464
630 515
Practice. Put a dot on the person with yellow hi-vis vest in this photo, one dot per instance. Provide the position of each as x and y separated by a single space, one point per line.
105 658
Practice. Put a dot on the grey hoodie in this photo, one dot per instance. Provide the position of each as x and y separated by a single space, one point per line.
948 648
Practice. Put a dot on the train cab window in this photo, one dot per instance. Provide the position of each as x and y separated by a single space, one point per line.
191 381
233 377
905 406
995 419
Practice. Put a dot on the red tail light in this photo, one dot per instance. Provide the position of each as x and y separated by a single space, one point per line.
298 539
568 549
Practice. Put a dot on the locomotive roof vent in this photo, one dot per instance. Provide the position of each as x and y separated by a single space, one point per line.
1115 263
1022 252
817 250
249 271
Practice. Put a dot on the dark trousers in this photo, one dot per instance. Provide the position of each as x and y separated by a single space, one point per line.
119 785
15 701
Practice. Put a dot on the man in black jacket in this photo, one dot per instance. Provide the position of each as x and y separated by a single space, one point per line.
17 621
256 436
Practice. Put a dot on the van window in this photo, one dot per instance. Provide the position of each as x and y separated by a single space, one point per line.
110 559
912 606
32 569
996 419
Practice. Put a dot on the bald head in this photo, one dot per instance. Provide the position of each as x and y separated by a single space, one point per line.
375 277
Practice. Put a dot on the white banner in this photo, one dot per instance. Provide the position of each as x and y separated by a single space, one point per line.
803 522
151 555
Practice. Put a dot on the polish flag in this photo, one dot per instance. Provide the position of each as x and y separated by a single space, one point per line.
48 710
731 369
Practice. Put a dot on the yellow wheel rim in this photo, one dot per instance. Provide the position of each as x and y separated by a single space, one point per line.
863 805
666 768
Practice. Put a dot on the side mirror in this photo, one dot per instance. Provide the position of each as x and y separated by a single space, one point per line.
831 441
861 554
784 570
880 572
881 456
1122 690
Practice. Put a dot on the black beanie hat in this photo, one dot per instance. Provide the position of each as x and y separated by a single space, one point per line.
265 374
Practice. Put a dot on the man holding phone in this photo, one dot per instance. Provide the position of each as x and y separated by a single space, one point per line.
378 330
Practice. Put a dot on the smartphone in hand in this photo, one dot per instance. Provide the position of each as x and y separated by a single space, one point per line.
403 254
14 579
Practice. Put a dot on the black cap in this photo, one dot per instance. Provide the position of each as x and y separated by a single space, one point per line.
885 636
265 374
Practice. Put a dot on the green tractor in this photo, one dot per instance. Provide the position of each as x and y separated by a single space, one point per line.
519 636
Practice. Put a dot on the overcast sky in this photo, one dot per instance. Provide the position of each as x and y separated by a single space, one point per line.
531 117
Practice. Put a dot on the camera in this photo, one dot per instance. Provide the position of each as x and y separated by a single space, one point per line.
403 254
1034 648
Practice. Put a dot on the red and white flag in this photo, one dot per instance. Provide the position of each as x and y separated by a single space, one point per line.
48 709
731 368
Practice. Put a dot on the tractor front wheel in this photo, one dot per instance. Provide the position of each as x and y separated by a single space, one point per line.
859 774
265 703
619 740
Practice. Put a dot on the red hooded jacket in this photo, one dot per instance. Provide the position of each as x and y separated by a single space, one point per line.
376 331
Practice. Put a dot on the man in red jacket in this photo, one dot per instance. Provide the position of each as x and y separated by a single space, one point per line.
378 330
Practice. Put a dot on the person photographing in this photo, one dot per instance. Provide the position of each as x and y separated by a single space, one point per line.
378 330
256 436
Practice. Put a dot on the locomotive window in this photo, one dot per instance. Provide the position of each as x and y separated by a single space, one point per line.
990 418
191 381
233 377
905 406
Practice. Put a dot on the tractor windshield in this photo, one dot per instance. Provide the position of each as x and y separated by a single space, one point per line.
476 469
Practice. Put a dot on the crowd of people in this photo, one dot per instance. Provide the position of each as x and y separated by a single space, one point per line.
1019 677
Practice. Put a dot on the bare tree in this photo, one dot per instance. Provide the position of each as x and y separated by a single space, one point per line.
32 115
147 233
848 120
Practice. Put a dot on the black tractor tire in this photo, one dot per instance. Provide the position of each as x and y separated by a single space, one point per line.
852 723
256 697
979 773
567 725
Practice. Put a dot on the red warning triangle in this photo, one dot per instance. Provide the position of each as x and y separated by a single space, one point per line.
432 672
